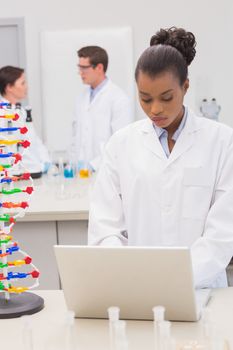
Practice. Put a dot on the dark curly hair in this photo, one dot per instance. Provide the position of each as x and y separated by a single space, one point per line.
171 49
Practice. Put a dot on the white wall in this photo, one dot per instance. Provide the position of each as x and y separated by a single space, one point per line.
63 65
211 73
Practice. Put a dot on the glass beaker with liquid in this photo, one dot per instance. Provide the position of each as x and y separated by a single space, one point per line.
84 169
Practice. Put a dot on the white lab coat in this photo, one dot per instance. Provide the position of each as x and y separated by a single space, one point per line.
97 120
143 198
36 156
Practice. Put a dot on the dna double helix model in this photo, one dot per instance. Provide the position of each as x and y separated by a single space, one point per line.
16 186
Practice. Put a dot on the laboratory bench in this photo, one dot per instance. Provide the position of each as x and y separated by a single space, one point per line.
49 330
57 214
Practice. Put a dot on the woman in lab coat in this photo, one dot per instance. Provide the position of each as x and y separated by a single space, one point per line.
13 89
168 180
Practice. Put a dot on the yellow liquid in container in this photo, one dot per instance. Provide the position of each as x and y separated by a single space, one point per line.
84 173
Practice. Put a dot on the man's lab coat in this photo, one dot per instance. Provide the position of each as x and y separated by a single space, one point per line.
143 198
97 120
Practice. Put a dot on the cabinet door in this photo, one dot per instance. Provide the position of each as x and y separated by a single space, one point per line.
72 232
13 41
37 240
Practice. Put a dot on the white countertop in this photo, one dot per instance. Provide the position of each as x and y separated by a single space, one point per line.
49 331
66 199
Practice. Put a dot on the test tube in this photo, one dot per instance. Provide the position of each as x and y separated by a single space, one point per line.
158 312
121 342
61 191
70 343
211 338
206 324
61 166
165 341
27 338
113 315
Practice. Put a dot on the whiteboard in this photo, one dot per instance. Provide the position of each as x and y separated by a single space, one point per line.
60 79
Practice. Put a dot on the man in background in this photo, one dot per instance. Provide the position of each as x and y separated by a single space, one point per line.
101 109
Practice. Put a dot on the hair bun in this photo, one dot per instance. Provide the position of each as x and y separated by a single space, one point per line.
179 38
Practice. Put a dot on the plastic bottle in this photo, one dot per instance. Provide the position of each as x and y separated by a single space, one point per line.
204 107
210 109
214 109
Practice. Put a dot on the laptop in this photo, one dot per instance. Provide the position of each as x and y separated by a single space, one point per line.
135 279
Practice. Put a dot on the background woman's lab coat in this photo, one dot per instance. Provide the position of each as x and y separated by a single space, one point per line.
36 157
143 198
98 119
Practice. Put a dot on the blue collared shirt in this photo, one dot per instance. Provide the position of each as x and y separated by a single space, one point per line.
95 91
163 134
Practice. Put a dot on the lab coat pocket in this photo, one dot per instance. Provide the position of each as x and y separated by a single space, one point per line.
196 193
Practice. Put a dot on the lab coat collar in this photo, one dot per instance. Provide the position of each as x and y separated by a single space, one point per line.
184 142
89 103
2 99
